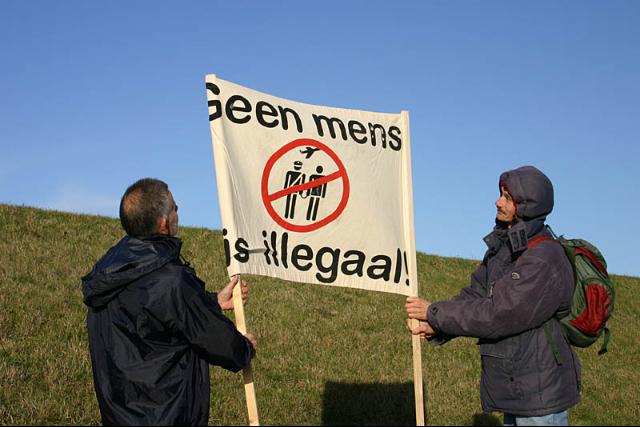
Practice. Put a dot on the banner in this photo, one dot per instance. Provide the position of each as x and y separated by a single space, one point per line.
311 193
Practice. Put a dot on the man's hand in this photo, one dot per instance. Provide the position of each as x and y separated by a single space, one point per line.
252 340
225 296
417 308
424 329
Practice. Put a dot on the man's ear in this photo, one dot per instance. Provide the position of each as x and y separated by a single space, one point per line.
163 226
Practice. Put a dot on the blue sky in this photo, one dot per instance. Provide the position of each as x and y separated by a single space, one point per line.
94 95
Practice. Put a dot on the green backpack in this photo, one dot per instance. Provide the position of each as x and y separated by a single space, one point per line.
593 297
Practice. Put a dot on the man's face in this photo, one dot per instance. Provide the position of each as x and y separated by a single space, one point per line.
506 207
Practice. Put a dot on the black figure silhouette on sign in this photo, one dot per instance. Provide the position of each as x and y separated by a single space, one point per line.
315 193
293 177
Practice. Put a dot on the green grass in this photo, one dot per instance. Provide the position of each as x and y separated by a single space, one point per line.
326 355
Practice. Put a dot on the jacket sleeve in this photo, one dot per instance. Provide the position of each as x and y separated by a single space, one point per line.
213 335
517 302
477 289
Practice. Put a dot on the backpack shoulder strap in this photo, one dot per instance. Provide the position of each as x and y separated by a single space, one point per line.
552 343
538 239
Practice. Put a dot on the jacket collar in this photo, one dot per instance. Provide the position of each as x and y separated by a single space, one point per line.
516 237
130 259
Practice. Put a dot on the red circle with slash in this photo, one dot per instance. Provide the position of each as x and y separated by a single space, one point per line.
268 199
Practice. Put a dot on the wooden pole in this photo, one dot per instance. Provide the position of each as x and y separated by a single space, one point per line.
247 373
417 376
410 239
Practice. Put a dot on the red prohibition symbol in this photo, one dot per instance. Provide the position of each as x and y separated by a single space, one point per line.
268 199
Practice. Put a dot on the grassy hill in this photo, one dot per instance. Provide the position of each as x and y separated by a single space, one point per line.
326 356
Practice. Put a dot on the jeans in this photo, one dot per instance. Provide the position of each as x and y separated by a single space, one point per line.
558 419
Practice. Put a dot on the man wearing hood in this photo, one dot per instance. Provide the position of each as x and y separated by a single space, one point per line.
153 328
515 295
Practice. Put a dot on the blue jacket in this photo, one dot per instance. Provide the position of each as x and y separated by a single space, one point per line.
153 331
513 293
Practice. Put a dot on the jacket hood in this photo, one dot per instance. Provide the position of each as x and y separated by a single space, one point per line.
531 190
130 259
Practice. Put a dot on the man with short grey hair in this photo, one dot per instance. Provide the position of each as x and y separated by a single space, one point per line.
153 328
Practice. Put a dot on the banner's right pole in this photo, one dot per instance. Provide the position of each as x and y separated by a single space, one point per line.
410 242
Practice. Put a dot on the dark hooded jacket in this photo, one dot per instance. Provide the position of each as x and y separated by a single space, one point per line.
513 293
153 331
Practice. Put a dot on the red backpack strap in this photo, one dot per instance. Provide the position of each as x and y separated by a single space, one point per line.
577 250
539 238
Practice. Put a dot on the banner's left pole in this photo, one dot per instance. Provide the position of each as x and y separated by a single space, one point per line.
226 202
247 373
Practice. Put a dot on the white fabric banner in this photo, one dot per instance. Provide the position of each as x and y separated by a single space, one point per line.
313 194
